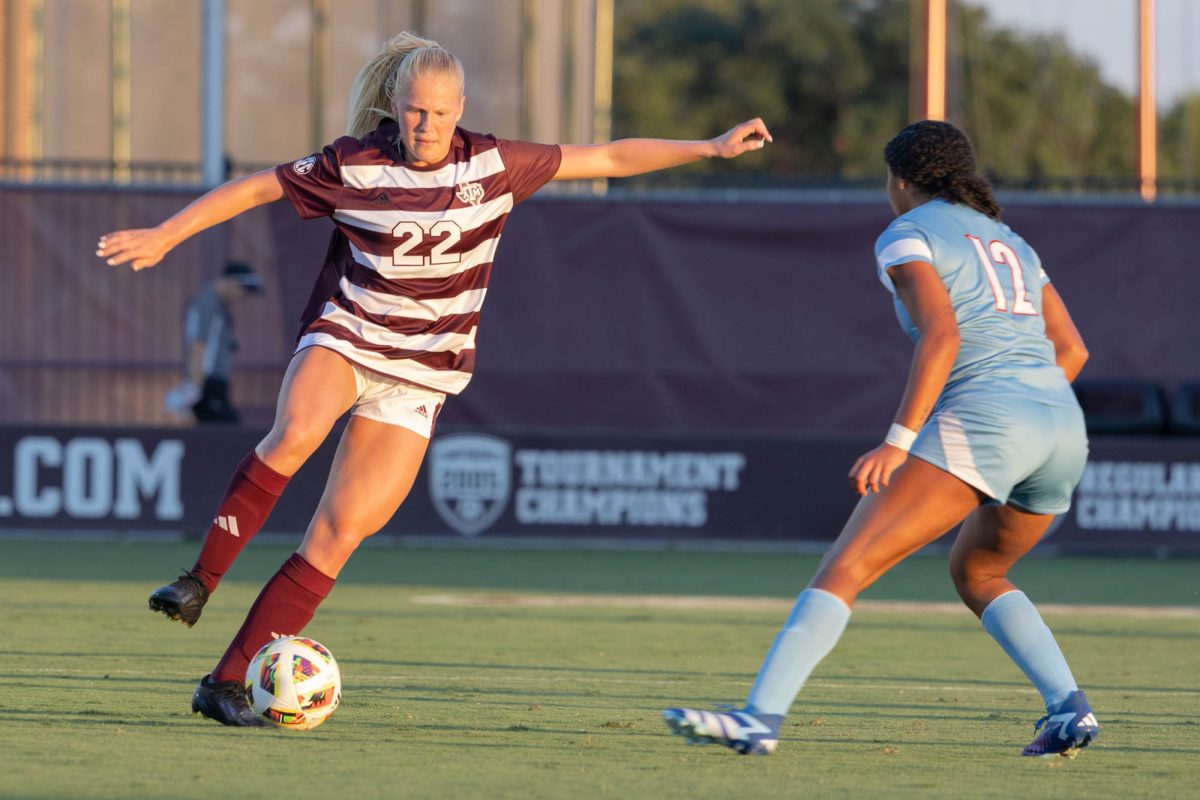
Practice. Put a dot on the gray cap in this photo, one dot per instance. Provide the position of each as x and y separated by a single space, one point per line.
245 275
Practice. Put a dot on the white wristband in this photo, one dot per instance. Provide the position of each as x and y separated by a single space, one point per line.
900 437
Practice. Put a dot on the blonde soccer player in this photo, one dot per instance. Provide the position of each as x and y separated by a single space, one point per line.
418 204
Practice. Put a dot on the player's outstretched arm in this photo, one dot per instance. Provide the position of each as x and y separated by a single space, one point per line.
626 157
145 247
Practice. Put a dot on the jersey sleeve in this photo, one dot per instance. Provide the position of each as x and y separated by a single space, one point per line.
314 183
902 243
530 166
1036 261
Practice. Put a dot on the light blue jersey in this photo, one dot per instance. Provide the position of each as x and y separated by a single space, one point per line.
1007 421
995 284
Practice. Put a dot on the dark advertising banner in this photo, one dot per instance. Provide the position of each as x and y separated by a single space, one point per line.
1137 495
657 314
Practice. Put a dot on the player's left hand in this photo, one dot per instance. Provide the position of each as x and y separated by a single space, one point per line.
872 471
141 248
750 135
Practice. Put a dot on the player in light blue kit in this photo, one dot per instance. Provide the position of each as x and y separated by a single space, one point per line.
997 435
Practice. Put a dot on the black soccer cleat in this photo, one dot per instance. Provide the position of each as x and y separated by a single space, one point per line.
226 702
182 600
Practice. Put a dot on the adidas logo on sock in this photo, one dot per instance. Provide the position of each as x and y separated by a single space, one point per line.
422 412
227 524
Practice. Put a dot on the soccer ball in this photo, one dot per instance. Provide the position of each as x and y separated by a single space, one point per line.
294 682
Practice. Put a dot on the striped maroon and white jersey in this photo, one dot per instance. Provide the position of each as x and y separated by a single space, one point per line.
407 271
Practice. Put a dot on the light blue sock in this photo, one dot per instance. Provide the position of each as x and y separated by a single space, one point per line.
813 628
1017 627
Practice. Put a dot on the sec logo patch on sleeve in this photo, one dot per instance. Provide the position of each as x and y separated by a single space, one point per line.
304 165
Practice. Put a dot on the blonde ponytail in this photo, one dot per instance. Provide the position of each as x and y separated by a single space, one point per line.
389 74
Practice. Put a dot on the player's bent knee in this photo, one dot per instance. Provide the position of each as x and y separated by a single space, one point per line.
293 440
347 532
330 548
971 581
961 575
966 590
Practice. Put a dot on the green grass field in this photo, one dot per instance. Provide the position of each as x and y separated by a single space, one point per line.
467 700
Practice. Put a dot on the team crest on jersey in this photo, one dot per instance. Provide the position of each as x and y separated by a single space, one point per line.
471 192
304 166
470 478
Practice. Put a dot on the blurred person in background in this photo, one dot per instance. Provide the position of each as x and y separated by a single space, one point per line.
996 436
209 344
389 332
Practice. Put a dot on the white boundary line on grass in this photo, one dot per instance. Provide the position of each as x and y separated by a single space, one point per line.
705 603
571 675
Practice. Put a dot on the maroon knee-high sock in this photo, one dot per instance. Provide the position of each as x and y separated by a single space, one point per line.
283 608
248 499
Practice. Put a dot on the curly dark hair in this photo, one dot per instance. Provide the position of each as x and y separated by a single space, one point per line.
938 159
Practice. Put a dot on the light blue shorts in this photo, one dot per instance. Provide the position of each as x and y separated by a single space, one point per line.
1013 449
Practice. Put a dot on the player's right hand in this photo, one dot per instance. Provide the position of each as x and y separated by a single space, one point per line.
872 471
140 248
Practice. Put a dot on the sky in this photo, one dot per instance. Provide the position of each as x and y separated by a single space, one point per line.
1106 31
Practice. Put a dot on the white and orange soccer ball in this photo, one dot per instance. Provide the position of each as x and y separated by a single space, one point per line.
294 682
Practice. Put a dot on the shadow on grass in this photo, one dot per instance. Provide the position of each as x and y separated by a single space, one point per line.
949 683
175 721
75 654
83 717
464 665
958 743
1130 630
120 686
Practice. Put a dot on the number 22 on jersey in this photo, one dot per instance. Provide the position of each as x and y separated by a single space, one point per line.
998 253
412 234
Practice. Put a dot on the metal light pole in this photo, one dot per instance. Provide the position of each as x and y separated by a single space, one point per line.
935 59
1147 113
122 91
212 110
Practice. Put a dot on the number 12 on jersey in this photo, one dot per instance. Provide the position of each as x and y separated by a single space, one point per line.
997 252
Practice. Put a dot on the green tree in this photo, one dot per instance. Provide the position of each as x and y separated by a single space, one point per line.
1035 109
690 68
831 79
1179 146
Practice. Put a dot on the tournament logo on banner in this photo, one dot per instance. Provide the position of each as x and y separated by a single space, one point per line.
470 480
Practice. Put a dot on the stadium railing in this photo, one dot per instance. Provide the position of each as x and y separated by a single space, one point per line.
1122 406
1185 409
